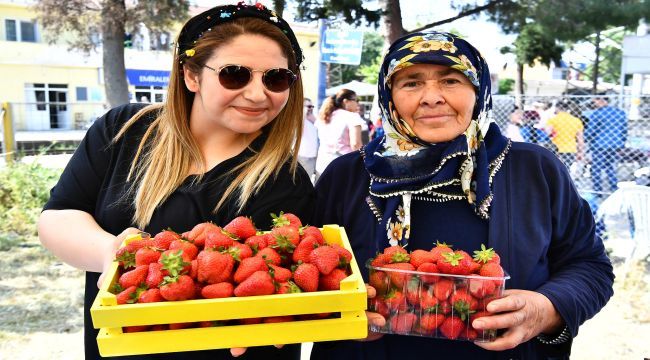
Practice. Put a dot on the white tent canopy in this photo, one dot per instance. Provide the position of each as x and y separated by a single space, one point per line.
360 88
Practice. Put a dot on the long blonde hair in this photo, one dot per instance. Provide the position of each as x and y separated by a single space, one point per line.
168 139
334 102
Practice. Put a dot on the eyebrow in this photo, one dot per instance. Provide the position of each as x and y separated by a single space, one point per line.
420 74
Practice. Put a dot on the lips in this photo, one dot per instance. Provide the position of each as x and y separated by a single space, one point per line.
250 111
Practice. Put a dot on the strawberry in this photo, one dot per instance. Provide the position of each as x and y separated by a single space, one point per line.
216 239
134 245
178 288
452 327
391 250
443 288
428 268
287 219
491 270
194 269
127 296
188 248
471 333
214 267
428 300
151 295
379 281
485 256
306 277
175 262
399 278
456 263
463 303
257 242
199 231
163 239
241 227
312 231
304 248
379 306
247 267
395 300
259 283
481 288
419 257
134 277
270 255
284 238
403 323
279 274
345 256
146 256
125 258
380 260
288 287
217 291
430 321
444 307
240 251
325 258
440 249
155 275
332 281
412 291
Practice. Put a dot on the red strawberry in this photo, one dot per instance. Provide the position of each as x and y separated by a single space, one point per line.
485 256
428 300
125 258
214 267
332 281
270 255
481 288
279 274
471 333
428 268
287 219
491 270
306 277
452 327
217 239
379 281
127 296
146 256
163 239
391 250
419 257
199 231
399 278
134 277
345 256
188 248
154 276
175 262
134 245
242 227
240 251
395 300
257 242
456 263
440 249
380 260
444 307
312 231
284 238
325 258
259 283
217 291
247 267
151 295
304 248
413 288
194 269
403 323
379 306
431 321
443 288
178 288
463 303
288 287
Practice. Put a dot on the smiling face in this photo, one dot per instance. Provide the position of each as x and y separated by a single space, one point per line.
435 100
238 111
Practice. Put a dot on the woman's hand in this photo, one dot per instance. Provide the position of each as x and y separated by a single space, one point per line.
374 319
111 249
525 314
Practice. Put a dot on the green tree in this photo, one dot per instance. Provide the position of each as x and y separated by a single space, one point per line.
110 19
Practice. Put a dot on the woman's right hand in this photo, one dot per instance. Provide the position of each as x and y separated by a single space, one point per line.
374 319
111 249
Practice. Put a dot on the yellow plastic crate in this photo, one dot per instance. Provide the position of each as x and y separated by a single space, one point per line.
113 342
350 299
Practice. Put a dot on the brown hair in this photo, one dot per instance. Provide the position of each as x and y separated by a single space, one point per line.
334 102
168 139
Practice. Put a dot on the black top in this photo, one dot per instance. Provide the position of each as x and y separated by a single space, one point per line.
94 181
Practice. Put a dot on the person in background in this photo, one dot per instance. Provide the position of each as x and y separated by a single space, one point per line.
443 171
339 128
309 143
566 132
513 130
220 146
606 134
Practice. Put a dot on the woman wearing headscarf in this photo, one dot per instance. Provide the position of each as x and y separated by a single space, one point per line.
444 172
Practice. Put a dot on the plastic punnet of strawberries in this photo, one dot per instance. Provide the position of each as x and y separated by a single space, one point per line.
236 260
436 293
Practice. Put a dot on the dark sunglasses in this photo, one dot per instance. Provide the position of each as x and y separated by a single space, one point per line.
309 106
235 77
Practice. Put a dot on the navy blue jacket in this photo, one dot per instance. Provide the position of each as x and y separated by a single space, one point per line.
540 226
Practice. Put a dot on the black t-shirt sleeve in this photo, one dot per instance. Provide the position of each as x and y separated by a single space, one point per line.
81 180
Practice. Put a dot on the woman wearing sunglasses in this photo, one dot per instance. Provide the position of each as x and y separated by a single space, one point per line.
219 147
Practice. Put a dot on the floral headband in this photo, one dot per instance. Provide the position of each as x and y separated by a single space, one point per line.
206 21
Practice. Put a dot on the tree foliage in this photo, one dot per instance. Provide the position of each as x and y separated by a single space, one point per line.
351 11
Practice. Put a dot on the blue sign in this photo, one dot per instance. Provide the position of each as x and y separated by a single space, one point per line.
147 77
341 47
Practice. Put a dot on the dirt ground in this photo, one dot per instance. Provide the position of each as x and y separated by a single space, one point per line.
41 318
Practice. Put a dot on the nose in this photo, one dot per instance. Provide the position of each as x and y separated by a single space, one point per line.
254 90
432 94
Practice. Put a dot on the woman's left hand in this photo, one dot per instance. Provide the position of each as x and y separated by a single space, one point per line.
524 314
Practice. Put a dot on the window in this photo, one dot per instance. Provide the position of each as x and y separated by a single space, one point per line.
82 93
18 30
